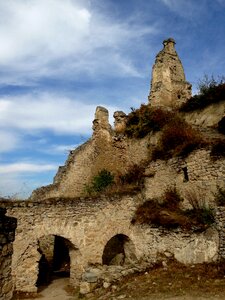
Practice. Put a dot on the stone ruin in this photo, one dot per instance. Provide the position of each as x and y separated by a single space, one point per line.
98 241
169 87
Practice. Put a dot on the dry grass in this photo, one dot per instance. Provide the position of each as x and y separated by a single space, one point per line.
165 212
178 139
146 119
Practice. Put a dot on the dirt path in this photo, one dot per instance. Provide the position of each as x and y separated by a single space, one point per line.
58 289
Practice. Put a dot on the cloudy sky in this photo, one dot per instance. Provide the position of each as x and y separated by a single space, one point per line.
59 59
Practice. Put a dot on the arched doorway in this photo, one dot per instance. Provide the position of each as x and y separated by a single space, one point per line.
119 250
55 258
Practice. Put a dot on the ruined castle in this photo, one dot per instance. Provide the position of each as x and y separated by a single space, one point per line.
85 228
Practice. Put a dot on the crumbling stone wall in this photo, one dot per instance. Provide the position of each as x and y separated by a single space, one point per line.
89 224
107 149
197 173
7 233
168 85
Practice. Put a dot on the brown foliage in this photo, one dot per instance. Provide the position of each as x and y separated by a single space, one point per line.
178 139
146 119
165 212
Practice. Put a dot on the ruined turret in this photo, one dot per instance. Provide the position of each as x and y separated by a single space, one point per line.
168 86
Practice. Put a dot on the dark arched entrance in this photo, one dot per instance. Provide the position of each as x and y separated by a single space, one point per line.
119 250
55 258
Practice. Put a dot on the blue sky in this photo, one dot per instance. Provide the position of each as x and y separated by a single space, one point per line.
59 59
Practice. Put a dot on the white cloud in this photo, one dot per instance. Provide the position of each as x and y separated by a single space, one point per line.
8 141
46 112
184 8
53 37
23 167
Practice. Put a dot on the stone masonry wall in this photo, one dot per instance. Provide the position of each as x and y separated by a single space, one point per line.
89 224
198 172
7 233
220 221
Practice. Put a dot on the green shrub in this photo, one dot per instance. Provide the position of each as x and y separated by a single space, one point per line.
100 182
218 149
178 139
146 119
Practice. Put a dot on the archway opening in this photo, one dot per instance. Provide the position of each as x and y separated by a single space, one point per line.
55 259
119 250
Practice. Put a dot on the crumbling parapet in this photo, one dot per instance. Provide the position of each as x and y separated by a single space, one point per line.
120 121
168 85
7 235
101 121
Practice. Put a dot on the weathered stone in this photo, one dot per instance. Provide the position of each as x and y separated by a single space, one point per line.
106 285
120 121
90 277
85 288
168 86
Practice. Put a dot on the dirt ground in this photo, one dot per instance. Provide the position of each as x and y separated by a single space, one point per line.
172 282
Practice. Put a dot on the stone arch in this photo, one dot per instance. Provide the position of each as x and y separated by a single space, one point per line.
119 250
26 261
55 258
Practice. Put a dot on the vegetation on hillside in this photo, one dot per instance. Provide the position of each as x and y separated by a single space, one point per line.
210 91
108 183
166 212
146 119
178 139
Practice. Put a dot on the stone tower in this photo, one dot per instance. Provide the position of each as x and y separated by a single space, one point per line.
168 86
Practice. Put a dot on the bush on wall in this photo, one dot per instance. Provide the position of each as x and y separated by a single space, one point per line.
146 119
165 212
178 139
100 182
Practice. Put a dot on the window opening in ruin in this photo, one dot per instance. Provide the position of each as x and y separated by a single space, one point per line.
55 259
185 171
118 251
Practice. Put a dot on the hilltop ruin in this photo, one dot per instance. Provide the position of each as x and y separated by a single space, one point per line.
98 230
